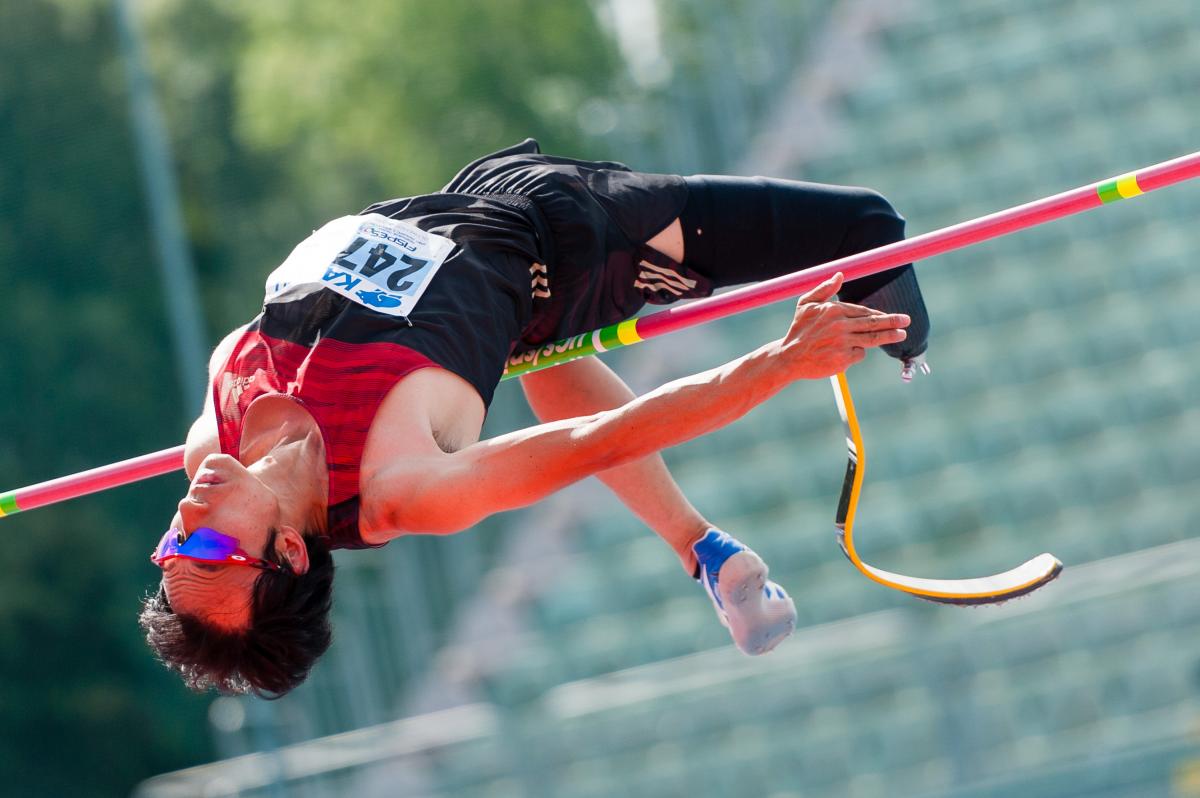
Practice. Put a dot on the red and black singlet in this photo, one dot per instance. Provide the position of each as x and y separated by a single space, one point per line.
341 385
512 217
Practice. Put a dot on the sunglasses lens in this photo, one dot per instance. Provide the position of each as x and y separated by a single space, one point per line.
204 543
166 545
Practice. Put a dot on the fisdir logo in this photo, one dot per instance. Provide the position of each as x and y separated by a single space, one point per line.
379 299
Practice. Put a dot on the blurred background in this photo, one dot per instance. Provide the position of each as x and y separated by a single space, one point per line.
159 157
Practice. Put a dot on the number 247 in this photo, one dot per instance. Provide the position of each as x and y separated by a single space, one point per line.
378 259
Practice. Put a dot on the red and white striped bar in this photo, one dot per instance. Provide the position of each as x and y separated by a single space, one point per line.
92 481
923 246
702 311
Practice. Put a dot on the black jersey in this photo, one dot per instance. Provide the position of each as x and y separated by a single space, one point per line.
469 315
545 248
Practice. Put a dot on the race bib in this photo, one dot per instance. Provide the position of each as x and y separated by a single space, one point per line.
380 263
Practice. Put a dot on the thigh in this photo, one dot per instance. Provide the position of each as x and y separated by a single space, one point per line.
669 241
746 229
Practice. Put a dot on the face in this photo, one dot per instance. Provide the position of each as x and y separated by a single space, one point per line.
228 497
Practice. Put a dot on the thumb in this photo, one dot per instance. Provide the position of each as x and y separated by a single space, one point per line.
823 292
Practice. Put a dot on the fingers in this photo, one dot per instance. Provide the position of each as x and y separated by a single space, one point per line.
877 321
823 292
878 338
877 330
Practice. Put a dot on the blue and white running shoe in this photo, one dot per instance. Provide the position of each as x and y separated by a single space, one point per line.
757 612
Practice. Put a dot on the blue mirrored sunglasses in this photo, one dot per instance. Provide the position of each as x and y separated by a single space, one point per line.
207 545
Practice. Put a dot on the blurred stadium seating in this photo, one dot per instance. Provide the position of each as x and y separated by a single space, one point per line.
1060 417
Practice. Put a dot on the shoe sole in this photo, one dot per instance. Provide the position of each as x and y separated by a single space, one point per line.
757 623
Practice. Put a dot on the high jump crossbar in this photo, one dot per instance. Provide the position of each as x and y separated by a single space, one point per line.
701 311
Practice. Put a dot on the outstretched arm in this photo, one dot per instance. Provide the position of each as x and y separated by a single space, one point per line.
441 493
645 486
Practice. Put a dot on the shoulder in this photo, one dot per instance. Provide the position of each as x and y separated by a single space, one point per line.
203 438
224 349
428 413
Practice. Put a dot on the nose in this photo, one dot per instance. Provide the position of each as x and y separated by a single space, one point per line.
191 513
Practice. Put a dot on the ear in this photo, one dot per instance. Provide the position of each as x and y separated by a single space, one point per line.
289 545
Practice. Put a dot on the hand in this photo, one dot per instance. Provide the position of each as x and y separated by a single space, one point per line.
827 337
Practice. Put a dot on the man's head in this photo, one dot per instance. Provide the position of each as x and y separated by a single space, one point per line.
222 624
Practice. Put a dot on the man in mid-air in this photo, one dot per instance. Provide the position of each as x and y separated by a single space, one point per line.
348 412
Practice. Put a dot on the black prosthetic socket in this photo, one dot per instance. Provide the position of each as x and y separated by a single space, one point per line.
742 229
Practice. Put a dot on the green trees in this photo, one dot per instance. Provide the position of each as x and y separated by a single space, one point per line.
332 108
86 380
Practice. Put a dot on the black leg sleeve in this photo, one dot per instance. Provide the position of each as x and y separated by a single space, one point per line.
742 229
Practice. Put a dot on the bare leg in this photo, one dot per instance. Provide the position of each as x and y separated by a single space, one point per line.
757 612
670 241
645 486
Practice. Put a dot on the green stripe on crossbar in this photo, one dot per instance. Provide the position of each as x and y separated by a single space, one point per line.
549 355
8 504
1108 191
609 338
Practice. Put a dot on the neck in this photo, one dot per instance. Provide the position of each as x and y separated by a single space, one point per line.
286 452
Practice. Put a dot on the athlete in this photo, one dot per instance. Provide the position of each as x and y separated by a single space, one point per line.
348 412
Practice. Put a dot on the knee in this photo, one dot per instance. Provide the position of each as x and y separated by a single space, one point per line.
873 205
876 221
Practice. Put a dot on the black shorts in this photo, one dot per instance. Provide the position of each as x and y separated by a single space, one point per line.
596 217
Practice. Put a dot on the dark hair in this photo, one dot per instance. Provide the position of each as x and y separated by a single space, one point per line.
289 630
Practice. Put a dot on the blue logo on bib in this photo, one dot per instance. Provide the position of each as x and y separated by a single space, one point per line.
379 299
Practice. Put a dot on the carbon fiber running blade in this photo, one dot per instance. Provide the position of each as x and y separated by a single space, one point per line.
994 589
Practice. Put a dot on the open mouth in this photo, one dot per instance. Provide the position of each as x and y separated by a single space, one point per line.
207 479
